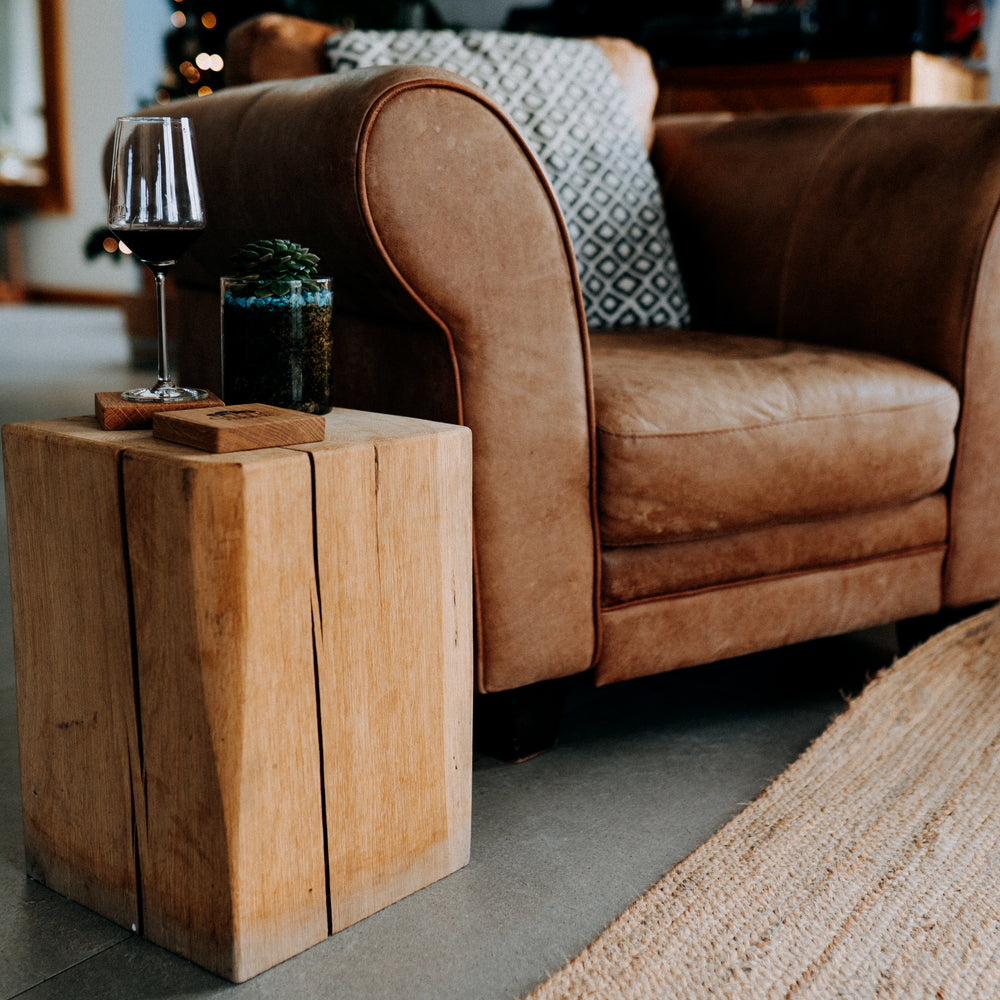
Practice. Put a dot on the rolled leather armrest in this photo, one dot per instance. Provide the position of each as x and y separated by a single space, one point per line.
456 299
866 228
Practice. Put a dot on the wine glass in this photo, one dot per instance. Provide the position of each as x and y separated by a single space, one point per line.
155 209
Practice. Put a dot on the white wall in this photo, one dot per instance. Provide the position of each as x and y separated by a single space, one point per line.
22 124
991 39
112 61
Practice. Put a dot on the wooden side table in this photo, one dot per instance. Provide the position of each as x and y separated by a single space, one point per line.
244 681
917 78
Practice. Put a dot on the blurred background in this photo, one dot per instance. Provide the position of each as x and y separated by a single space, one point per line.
68 68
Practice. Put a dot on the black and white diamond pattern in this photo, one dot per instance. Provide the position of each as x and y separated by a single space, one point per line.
563 96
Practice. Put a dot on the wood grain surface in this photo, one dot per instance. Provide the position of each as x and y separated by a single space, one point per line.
116 414
72 652
244 681
394 538
239 428
231 847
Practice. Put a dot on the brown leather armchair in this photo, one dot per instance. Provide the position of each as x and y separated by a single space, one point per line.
820 453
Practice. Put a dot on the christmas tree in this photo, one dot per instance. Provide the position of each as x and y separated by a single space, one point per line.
195 41
195 44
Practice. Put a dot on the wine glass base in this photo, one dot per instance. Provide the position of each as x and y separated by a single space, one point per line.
164 394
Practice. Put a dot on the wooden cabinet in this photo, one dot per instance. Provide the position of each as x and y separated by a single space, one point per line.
820 83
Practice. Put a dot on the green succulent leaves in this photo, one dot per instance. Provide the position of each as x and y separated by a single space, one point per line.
274 263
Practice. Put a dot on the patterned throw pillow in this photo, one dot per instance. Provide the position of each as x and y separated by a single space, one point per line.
564 97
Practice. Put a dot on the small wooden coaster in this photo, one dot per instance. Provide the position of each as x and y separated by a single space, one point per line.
242 427
115 414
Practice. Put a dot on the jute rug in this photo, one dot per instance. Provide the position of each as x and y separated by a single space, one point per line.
869 868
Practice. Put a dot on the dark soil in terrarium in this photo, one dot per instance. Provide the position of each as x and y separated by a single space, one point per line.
278 350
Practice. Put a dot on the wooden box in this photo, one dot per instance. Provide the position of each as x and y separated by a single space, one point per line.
244 681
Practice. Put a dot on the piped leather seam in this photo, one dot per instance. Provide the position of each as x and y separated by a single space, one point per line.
920 550
913 407
808 523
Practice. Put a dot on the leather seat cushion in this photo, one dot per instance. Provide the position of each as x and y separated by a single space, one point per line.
704 434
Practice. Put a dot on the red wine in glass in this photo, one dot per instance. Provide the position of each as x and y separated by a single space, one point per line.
158 247
155 209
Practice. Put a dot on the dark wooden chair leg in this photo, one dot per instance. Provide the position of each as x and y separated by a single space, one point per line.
516 725
912 632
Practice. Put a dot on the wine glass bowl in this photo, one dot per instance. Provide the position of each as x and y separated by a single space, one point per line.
155 209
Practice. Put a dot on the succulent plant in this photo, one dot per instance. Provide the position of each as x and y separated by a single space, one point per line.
274 263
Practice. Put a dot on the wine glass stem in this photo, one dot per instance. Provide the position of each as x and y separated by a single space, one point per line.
162 373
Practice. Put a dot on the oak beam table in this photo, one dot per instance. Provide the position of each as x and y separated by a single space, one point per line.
244 681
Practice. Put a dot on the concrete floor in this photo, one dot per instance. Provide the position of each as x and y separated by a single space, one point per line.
643 774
